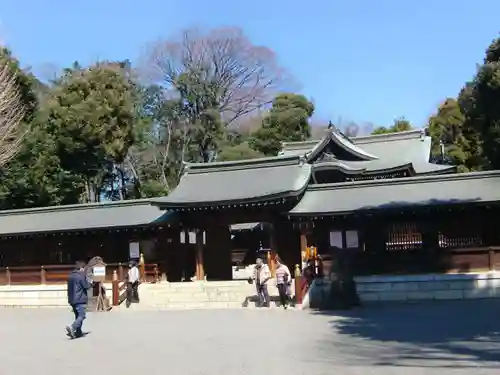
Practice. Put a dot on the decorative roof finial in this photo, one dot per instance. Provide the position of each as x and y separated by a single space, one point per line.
330 125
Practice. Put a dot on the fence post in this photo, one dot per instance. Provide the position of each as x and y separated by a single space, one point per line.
43 276
120 271
142 268
115 289
298 285
157 275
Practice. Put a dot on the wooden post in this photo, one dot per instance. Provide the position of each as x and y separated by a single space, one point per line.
303 247
43 275
200 268
142 268
298 285
157 275
491 259
8 275
272 253
115 289
120 271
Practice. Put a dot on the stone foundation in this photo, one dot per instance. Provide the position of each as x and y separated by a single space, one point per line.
36 295
412 288
429 287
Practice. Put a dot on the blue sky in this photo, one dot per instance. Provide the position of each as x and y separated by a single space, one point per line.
360 60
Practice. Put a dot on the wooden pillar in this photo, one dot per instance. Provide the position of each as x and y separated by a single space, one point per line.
142 268
218 262
173 251
429 228
200 268
303 246
271 255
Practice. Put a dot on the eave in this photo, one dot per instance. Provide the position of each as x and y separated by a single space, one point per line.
336 138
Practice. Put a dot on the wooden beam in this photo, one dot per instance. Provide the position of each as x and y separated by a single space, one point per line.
200 268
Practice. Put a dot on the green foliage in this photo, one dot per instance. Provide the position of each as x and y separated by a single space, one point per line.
241 151
34 178
399 125
91 112
446 127
478 101
287 121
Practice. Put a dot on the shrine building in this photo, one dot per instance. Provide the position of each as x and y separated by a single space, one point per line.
377 197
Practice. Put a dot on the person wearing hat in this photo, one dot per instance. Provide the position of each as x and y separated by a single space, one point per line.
132 283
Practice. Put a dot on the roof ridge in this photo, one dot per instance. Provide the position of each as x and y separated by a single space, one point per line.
300 142
395 136
274 161
76 206
404 180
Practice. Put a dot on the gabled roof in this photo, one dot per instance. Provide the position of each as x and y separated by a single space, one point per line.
239 182
392 150
338 139
132 213
342 198
363 167
92 216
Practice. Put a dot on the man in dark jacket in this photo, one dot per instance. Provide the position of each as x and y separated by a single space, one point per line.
78 286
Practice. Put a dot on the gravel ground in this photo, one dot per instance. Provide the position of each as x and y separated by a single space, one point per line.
444 338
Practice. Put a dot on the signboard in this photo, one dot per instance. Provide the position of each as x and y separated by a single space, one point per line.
336 239
99 271
134 250
351 239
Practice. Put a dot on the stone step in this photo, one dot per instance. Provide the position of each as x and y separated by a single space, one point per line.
200 295
193 306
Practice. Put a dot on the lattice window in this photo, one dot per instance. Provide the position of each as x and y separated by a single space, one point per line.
460 234
378 177
403 237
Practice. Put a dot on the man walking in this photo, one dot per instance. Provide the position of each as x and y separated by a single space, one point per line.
133 284
261 275
78 286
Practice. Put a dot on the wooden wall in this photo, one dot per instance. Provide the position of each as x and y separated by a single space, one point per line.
461 240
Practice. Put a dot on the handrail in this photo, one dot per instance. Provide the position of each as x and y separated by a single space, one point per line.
119 290
54 274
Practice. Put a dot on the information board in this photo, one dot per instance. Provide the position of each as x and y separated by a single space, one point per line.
134 250
99 271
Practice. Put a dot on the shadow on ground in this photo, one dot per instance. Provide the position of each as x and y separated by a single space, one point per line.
457 334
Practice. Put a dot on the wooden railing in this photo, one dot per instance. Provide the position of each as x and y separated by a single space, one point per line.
119 290
57 274
301 285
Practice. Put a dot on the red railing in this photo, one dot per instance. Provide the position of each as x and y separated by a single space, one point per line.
56 274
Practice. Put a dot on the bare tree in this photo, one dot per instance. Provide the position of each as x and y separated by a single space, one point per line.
11 114
243 77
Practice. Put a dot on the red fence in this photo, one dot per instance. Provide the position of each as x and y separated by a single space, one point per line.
56 274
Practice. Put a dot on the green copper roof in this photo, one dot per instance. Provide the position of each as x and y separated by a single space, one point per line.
80 217
248 181
341 141
388 151
378 166
340 198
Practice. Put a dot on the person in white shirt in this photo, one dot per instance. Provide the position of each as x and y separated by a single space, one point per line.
132 284
262 275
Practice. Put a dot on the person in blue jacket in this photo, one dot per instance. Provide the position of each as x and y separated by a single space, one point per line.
78 285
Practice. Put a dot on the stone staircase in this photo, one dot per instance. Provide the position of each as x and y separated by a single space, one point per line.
200 295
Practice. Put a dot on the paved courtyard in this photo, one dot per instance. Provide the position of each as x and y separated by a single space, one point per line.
440 338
